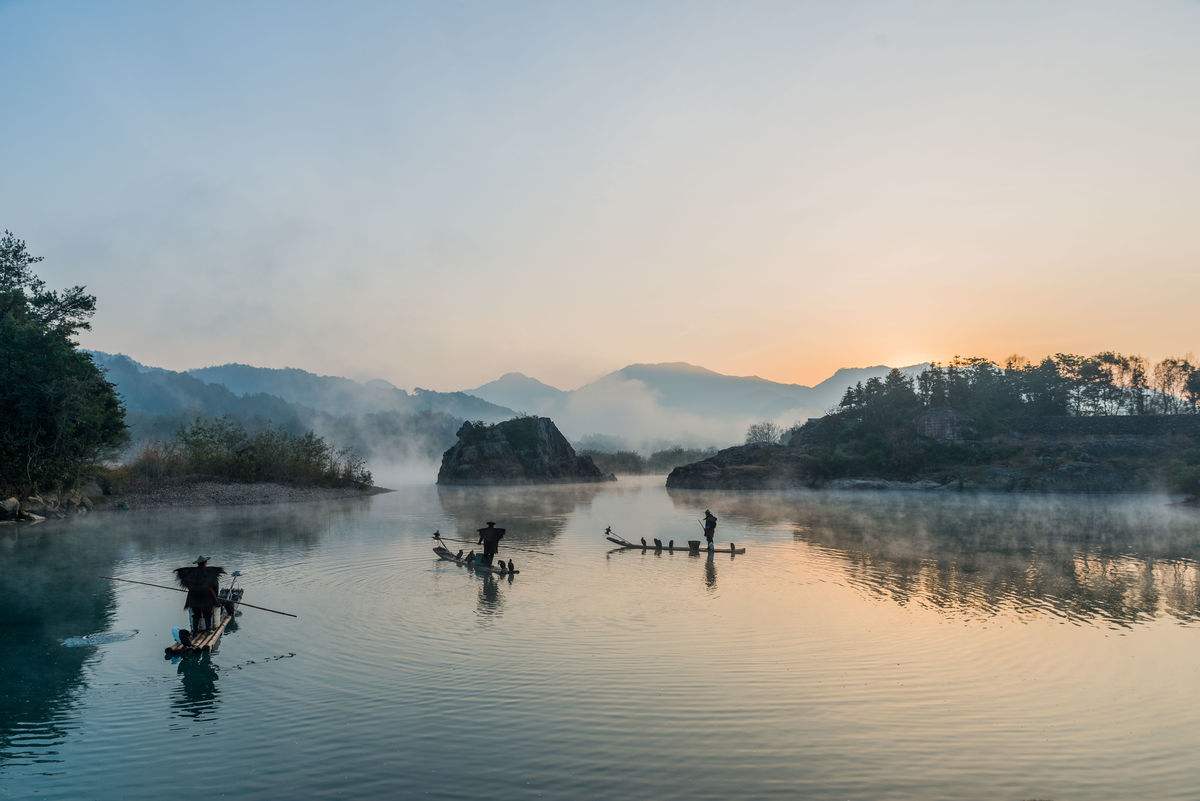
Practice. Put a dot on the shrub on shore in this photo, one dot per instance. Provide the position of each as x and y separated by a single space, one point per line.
222 449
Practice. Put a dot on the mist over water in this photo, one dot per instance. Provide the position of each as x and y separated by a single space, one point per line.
867 646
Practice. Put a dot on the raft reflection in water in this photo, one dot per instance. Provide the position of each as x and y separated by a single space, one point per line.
1116 559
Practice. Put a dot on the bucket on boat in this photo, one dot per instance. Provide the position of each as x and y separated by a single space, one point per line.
694 546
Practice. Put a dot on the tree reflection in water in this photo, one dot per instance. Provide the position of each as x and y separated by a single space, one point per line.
1120 559
533 515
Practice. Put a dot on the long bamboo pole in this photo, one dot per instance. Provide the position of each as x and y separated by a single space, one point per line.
177 589
506 547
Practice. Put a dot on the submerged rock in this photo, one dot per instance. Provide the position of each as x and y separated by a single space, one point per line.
525 450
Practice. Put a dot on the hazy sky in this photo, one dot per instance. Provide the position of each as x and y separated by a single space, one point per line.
438 193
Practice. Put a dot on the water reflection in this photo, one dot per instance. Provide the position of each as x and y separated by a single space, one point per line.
48 593
1120 560
52 589
532 515
197 694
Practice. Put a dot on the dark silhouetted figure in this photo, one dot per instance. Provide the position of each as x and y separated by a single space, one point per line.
489 538
202 584
710 527
511 569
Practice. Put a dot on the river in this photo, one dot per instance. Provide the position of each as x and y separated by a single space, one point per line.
867 646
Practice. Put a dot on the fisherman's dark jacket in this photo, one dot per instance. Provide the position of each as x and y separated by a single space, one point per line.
202 584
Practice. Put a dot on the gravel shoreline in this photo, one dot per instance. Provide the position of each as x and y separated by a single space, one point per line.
217 493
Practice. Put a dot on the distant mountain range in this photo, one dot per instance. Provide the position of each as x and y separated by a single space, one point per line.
337 395
642 406
674 401
380 421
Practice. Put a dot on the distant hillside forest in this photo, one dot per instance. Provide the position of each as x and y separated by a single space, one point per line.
375 419
633 463
972 411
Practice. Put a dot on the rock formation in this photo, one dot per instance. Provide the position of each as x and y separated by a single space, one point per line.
525 450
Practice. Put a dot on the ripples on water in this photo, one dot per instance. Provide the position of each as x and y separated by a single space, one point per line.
866 647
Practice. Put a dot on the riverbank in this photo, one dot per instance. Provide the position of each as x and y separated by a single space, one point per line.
172 494
1152 454
225 493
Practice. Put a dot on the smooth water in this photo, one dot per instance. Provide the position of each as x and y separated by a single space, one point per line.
903 646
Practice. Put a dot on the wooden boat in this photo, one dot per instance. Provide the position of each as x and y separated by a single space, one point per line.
474 564
209 640
650 546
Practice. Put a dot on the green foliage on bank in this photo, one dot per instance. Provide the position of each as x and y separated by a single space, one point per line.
59 416
972 412
222 449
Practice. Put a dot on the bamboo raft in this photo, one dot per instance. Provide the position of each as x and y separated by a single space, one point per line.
209 640
475 564
650 546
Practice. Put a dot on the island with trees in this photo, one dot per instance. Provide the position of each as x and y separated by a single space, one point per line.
1104 423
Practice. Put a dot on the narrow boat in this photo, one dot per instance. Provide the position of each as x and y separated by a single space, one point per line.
209 640
650 546
473 564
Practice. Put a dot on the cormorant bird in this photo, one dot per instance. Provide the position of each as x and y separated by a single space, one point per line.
459 556
671 544
643 542
511 569
657 542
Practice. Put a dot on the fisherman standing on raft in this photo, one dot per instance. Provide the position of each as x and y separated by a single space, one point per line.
490 538
202 584
710 527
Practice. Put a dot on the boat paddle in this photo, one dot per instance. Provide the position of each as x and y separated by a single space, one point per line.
177 589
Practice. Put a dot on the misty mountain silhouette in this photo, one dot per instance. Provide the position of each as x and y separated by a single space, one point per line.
337 395
677 388
519 391
643 405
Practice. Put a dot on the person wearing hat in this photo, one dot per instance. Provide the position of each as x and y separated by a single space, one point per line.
489 538
202 584
710 527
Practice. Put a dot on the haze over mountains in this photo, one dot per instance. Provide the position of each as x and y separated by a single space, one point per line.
651 404
641 406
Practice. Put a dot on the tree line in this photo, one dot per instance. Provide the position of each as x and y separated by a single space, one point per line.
633 463
59 416
1108 383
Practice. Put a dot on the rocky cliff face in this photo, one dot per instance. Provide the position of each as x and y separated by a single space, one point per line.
527 450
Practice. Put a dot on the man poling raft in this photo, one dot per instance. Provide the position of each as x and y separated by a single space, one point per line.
202 583
204 595
710 527
489 538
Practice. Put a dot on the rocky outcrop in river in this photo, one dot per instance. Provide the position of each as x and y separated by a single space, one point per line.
525 450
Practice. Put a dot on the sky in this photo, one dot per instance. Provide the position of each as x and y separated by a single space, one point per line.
439 193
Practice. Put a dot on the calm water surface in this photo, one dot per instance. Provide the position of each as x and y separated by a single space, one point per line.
866 647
